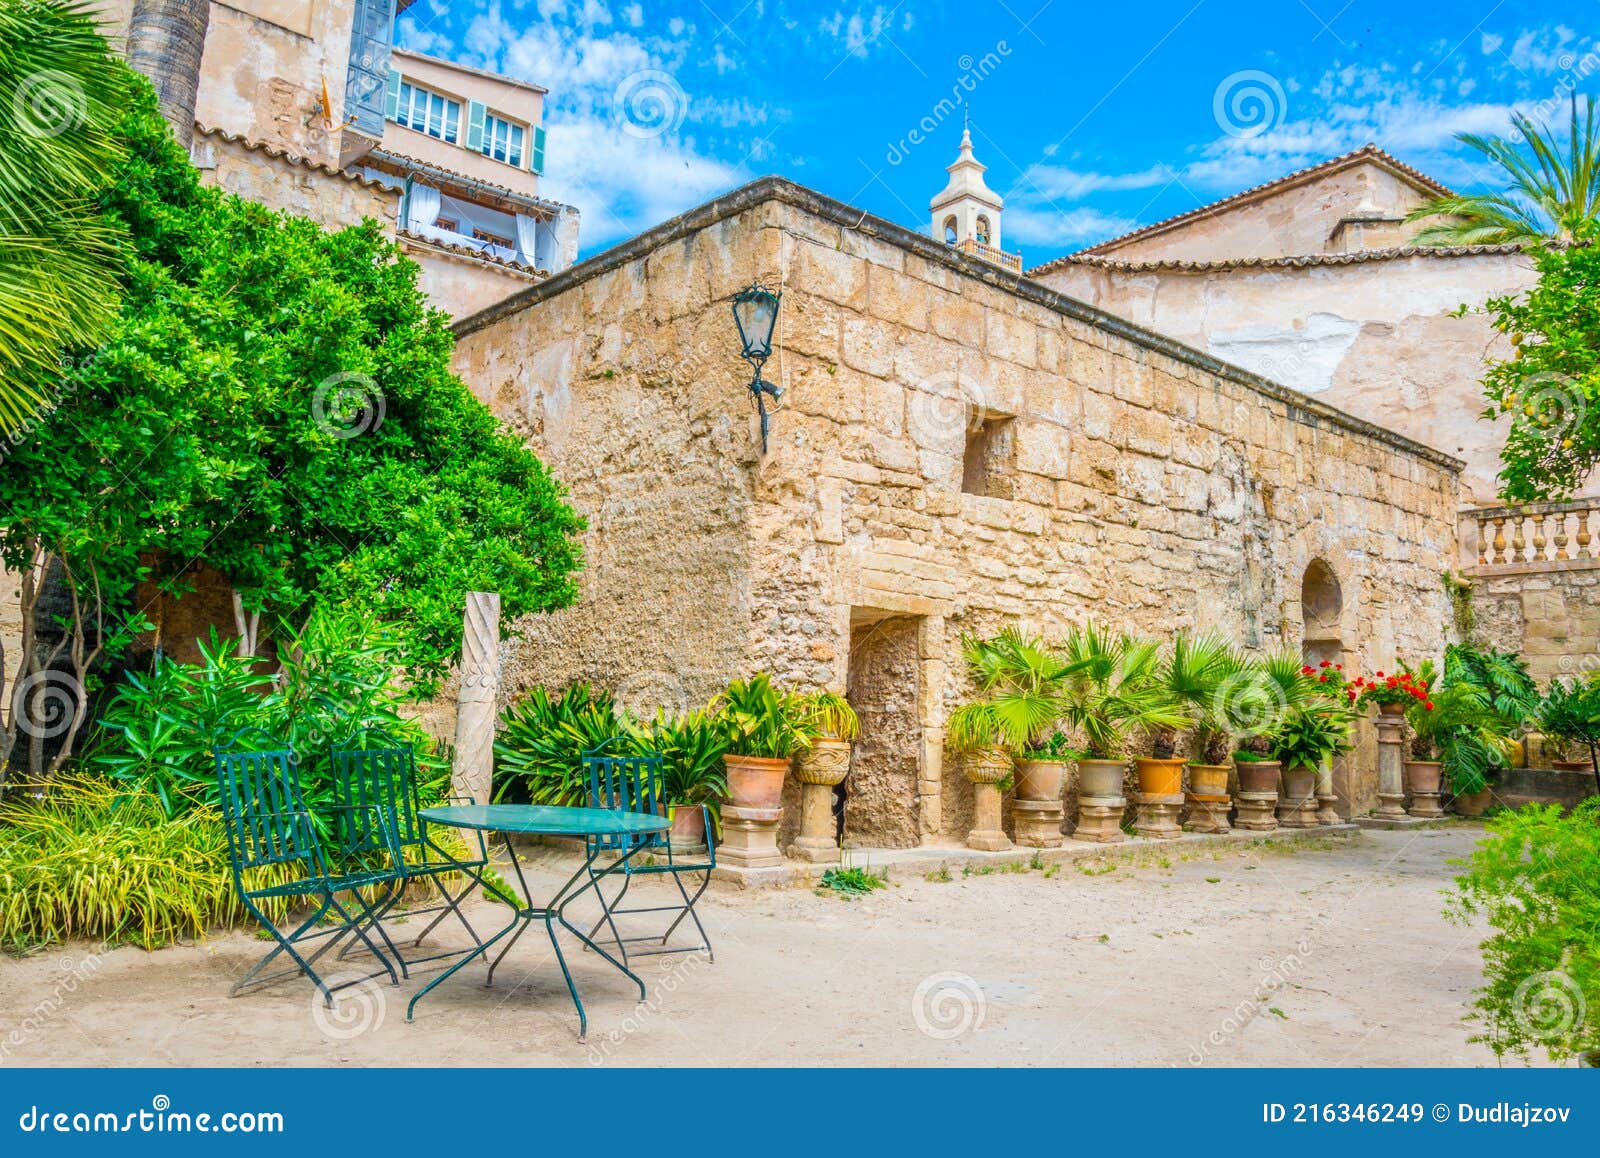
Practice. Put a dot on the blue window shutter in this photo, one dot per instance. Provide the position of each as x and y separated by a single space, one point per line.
536 162
475 115
391 96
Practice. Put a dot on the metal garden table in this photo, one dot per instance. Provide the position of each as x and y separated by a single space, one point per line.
544 820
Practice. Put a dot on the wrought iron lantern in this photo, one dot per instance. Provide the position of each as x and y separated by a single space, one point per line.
755 312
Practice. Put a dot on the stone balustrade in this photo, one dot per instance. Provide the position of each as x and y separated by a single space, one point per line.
1531 537
1011 261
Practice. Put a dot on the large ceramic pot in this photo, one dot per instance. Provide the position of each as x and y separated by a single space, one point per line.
1391 709
688 828
1158 777
826 761
1258 775
1209 779
1423 777
1299 783
1040 779
755 781
1476 803
1101 779
988 765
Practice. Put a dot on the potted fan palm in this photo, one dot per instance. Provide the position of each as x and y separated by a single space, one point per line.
1569 714
1201 673
762 728
694 778
1257 705
1110 689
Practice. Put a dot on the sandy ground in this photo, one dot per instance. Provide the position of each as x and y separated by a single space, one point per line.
1334 955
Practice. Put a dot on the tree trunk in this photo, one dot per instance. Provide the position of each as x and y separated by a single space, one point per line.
166 39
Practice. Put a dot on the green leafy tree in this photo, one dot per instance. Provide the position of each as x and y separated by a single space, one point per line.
61 93
276 401
1552 188
1549 389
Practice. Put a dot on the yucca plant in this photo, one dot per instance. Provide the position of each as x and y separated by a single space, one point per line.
1018 678
758 719
1111 688
1260 701
691 746
828 715
539 750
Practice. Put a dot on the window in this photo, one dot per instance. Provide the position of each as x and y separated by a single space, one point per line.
950 234
494 238
503 140
447 223
988 466
428 112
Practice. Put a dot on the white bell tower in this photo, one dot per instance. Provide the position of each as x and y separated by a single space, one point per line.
966 213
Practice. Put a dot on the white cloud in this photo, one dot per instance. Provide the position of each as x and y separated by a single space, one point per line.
1060 183
1045 225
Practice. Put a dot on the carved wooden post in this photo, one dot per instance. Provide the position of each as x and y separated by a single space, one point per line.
475 702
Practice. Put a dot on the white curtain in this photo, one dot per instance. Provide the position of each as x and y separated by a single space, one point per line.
422 208
527 239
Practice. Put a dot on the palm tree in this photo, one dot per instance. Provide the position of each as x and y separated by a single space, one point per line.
166 39
1020 678
1112 686
1553 193
61 92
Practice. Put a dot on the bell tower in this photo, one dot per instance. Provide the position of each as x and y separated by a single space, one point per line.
966 213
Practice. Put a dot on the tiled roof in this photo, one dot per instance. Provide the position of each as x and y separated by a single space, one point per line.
1299 176
284 155
404 161
475 254
1355 257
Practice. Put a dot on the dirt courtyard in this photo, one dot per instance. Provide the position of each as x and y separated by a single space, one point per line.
1329 955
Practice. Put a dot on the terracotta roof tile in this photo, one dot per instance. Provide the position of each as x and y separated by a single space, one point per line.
475 254
284 155
1355 257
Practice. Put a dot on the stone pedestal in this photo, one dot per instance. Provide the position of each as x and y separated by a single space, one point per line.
1297 813
1208 813
1328 809
750 837
986 834
1426 805
820 768
1391 779
1100 819
1257 811
1158 815
1038 822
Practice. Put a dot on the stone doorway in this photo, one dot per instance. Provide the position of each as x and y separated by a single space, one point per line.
879 799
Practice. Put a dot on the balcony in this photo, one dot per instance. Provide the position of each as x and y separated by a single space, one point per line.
1532 537
1011 261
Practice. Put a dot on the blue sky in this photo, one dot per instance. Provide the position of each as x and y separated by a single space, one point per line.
1092 117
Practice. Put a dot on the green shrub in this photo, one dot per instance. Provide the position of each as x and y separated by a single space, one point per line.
758 719
1533 879
97 861
539 751
691 746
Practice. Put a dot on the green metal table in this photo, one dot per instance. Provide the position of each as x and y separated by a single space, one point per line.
543 820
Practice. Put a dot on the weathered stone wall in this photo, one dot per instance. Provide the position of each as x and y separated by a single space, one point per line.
1374 338
460 283
330 197
1146 484
1549 613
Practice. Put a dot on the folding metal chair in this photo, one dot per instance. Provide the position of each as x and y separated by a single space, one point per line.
377 807
268 825
632 783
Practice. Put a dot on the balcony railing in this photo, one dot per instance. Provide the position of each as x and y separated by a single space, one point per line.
1011 261
1534 536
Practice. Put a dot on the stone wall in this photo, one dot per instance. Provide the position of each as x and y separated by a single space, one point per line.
1133 479
1549 613
256 172
1372 337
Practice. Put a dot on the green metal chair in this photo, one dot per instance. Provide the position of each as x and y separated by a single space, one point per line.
269 826
377 805
632 783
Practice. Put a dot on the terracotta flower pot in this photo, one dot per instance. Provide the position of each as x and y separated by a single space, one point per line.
1391 709
1299 783
1476 803
1158 777
1209 779
1424 776
755 781
688 827
1258 775
988 765
1101 779
827 762
1040 779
